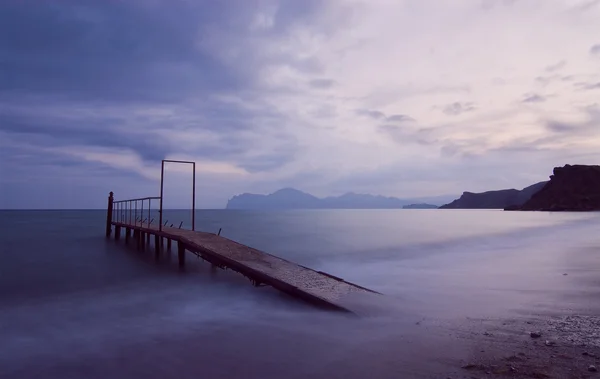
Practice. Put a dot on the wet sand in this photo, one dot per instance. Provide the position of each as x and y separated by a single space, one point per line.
567 348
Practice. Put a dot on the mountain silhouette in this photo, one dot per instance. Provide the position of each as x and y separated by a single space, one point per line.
494 199
290 198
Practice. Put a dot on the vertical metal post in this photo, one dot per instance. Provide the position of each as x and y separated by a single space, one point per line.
109 215
129 205
194 196
149 214
162 182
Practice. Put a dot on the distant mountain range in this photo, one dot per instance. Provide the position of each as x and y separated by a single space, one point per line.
571 188
289 198
495 199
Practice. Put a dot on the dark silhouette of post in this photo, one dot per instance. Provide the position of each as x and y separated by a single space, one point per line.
157 246
181 254
109 211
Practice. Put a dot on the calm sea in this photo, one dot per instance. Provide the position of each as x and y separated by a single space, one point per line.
75 305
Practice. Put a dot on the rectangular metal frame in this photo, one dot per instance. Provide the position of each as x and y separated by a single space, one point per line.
162 179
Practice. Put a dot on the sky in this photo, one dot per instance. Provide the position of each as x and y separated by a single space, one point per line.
405 98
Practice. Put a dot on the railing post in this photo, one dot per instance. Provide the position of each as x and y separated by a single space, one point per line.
109 215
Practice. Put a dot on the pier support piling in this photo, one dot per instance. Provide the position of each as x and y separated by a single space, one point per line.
127 235
157 241
181 253
136 237
117 233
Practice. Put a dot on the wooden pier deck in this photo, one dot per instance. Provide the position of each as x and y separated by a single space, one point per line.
316 287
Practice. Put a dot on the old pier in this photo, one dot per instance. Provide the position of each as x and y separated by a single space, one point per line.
132 220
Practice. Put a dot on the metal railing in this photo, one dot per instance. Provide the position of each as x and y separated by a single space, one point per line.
134 211
126 211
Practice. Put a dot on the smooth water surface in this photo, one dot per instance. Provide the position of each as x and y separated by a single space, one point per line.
74 305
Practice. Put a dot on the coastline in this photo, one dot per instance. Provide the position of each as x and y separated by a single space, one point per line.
90 308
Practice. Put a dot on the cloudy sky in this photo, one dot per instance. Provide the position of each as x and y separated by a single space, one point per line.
403 98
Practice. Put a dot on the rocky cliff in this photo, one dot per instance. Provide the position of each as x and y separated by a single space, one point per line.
494 199
571 188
